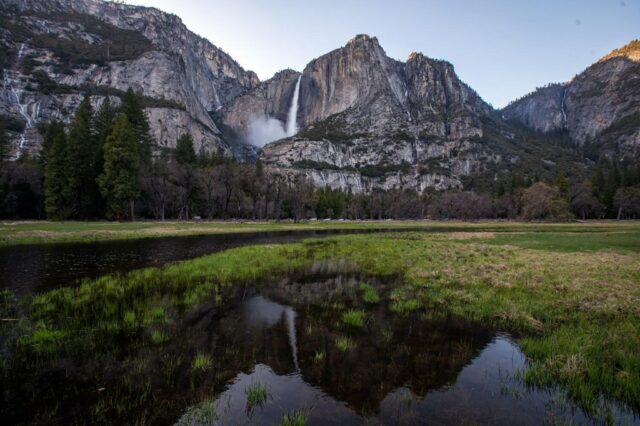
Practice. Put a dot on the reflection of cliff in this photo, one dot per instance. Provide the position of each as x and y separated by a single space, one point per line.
390 352
320 284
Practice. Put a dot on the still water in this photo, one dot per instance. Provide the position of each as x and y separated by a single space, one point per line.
34 268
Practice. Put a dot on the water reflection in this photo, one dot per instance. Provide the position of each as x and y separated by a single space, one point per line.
263 313
288 335
397 370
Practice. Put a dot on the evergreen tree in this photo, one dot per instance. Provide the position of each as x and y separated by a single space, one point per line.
55 177
133 107
561 183
104 120
119 179
4 143
82 190
103 126
184 153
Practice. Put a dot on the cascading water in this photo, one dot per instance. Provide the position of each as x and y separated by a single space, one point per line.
562 106
292 116
14 97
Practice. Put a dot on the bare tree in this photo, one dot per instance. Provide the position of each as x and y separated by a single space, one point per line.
627 201
541 201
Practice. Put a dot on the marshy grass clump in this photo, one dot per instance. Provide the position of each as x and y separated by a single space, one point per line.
354 318
295 418
201 414
344 343
158 337
43 339
369 294
201 362
257 395
404 306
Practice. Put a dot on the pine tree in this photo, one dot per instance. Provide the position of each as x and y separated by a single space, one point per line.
184 153
104 120
561 183
82 190
119 179
55 178
133 107
103 126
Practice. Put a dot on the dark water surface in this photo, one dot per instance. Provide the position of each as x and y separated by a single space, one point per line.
34 268
397 369
287 336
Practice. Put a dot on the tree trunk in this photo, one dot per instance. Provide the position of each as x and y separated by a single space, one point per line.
132 207
619 213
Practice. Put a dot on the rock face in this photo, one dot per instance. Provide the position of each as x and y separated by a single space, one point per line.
372 122
366 121
184 77
599 107
246 119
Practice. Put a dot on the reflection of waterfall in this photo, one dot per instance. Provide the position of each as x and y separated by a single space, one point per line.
292 126
261 312
291 330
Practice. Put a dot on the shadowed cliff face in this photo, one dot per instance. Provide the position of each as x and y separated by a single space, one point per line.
600 106
121 46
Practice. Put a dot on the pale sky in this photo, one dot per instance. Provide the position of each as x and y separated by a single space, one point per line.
501 48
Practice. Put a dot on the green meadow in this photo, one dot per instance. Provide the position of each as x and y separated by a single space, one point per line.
569 294
41 232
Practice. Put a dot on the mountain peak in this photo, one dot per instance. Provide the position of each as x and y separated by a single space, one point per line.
414 56
630 51
362 38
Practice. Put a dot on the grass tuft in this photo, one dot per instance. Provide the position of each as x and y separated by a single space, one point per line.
257 394
295 418
344 344
369 294
202 362
353 318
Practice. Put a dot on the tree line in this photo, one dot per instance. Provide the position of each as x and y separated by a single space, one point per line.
104 164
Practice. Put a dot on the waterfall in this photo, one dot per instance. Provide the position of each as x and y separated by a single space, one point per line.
562 106
292 126
14 98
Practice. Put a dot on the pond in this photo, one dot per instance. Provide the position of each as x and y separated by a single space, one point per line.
34 268
324 345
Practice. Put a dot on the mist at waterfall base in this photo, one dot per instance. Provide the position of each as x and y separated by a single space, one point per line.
262 130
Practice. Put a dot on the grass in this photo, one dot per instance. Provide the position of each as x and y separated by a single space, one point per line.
353 318
369 294
295 418
344 343
201 414
257 394
570 292
43 232
201 362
